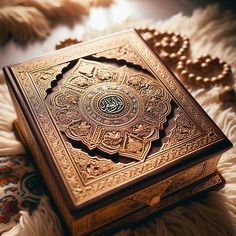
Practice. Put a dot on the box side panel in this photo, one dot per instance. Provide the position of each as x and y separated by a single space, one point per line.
214 181
141 199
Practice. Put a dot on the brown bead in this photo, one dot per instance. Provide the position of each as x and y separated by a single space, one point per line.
183 58
181 63
173 45
215 60
188 62
186 42
182 50
179 53
174 57
227 94
179 68
175 39
220 77
214 79
167 39
204 65
199 80
165 56
221 63
157 47
226 73
191 78
184 75
206 81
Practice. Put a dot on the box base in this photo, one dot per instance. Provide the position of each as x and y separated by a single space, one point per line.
212 182
198 189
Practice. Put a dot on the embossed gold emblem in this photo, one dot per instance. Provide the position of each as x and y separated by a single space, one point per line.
111 104
112 109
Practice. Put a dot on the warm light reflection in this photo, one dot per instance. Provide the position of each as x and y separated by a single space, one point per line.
101 19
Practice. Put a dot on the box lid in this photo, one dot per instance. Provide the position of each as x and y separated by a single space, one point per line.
109 116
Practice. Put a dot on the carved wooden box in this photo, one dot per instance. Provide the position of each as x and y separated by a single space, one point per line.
114 134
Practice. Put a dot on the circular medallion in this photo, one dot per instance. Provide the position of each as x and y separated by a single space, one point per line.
111 104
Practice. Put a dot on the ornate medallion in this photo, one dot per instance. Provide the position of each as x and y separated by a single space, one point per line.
111 109
111 104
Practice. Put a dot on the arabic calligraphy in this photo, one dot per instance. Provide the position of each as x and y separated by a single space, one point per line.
111 104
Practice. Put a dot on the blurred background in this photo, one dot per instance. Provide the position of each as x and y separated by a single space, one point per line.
97 15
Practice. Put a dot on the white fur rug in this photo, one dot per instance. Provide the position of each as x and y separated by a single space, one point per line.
210 32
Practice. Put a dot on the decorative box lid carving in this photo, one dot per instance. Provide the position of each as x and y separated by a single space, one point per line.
108 114
111 109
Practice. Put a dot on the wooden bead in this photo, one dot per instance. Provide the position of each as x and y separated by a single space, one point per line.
167 39
199 80
182 50
203 65
191 78
183 58
220 77
179 68
184 74
175 39
206 81
172 45
227 94
226 73
157 47
173 56
188 62
214 79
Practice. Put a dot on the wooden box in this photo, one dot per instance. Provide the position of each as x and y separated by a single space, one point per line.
113 132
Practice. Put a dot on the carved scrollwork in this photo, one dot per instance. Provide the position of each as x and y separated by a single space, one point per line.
92 167
142 130
43 78
123 116
184 129
122 53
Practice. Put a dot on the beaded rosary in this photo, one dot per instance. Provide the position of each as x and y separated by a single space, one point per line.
205 71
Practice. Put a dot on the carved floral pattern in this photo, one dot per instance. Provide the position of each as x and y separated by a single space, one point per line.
92 167
184 129
123 53
122 116
43 78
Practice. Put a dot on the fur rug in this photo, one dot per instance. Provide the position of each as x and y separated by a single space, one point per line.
212 32
26 20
